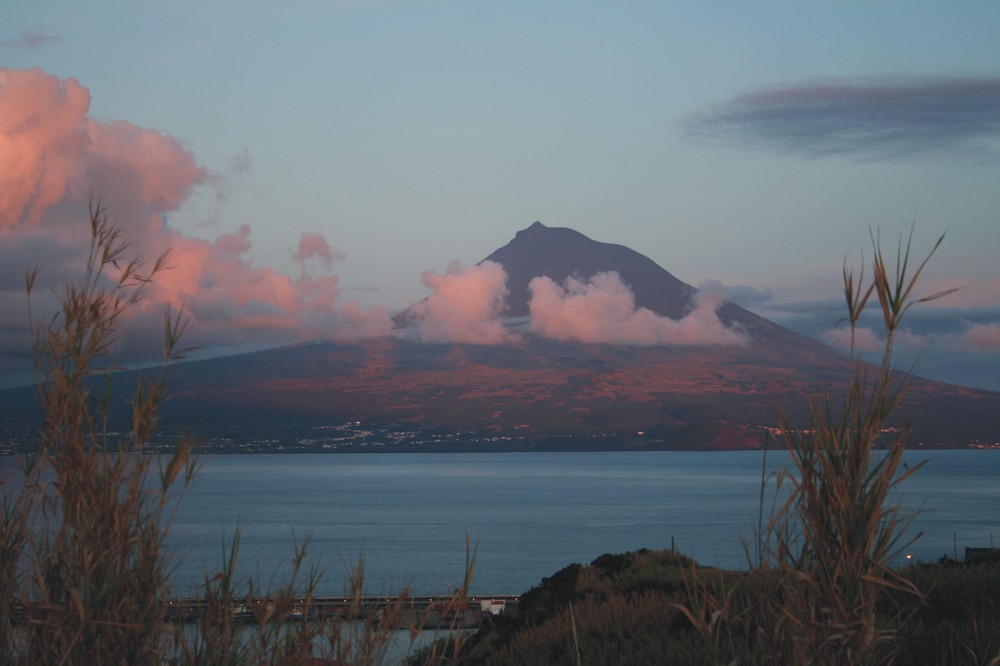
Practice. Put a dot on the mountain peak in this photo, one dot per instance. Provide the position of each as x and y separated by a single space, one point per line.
535 228
561 252
538 230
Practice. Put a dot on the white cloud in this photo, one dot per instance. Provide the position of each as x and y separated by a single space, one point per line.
465 305
603 310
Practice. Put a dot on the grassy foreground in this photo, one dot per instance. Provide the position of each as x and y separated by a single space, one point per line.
627 609
84 574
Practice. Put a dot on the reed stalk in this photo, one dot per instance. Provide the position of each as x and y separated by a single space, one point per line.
84 538
824 560
840 530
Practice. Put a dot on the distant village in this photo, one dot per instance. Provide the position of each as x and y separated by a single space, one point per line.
357 437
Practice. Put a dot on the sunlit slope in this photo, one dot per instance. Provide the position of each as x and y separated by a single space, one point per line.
540 391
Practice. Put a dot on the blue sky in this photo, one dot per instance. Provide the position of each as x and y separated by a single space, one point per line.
750 144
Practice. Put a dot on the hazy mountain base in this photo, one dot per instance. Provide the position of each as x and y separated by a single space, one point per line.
397 395
623 609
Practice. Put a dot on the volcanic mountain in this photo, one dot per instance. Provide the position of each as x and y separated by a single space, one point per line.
396 393
559 253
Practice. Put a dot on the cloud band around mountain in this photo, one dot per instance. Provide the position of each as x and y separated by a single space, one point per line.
602 309
872 118
466 305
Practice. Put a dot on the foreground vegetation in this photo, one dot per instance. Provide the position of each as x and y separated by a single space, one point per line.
629 609
83 569
83 572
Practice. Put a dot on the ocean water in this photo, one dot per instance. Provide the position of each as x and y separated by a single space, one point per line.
530 514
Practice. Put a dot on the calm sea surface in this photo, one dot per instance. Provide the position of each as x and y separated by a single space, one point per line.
531 513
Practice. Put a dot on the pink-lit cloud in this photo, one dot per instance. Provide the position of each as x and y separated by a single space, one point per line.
865 339
603 310
975 337
909 339
465 305
54 159
981 337
314 251
43 143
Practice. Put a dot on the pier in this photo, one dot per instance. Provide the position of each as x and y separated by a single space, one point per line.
425 612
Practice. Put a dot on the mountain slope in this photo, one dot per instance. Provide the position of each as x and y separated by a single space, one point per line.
532 392
536 394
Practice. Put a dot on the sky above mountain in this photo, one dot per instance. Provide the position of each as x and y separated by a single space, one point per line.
317 166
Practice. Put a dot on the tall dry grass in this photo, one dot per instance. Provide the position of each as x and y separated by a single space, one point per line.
84 575
826 555
840 530
83 538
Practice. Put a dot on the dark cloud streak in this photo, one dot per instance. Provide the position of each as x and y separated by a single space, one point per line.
874 118
29 39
